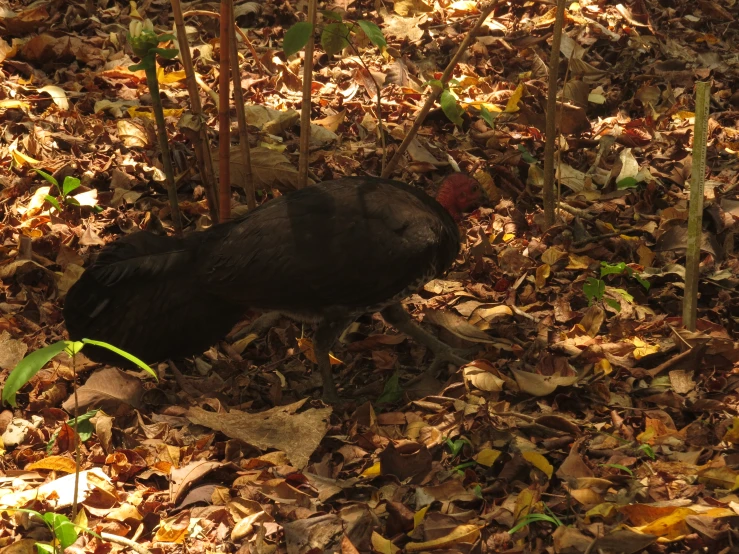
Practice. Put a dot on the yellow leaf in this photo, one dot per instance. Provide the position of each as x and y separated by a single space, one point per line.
419 515
683 115
552 255
411 7
539 462
671 527
465 534
542 273
606 510
512 105
648 434
603 366
508 237
579 262
172 77
23 159
487 456
382 545
53 463
372 471
732 434
8 104
524 503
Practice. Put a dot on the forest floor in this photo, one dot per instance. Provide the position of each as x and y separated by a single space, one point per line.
590 420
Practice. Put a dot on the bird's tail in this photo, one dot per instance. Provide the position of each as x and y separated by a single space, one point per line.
143 295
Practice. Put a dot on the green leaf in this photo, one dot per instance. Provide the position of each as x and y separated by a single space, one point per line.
129 357
48 177
73 347
613 269
70 183
138 66
373 33
526 155
615 304
642 281
627 183
531 518
71 201
622 293
648 451
434 83
487 116
166 53
63 529
334 16
166 37
27 368
593 289
53 201
334 38
450 107
296 38
392 391
619 467
43 548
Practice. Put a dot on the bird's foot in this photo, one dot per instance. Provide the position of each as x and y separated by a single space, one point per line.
330 396
445 354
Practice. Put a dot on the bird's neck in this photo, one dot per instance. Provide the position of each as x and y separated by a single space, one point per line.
448 200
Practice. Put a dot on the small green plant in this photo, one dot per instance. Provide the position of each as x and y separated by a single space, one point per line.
82 425
392 391
648 450
619 467
64 192
145 44
456 446
595 289
335 35
549 517
64 531
32 364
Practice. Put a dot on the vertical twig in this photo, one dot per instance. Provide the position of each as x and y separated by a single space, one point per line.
156 103
306 106
695 215
200 141
243 127
551 126
224 122
77 454
436 91
378 108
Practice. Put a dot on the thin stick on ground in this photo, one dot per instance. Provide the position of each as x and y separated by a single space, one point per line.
436 91
200 137
551 126
224 121
306 105
251 201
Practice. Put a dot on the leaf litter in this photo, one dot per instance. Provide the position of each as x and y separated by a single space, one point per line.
589 421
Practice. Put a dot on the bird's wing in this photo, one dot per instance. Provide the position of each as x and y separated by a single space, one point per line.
340 245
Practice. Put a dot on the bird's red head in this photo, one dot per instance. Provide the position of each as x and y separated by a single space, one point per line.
459 193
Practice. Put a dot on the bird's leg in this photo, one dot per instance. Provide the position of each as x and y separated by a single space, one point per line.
396 316
328 331
261 324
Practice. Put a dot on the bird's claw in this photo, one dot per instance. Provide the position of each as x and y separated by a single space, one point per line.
447 355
